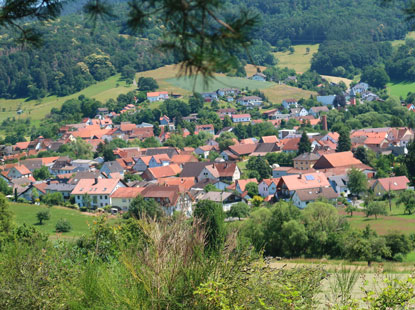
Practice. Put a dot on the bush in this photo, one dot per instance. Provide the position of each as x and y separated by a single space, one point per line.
63 225
83 209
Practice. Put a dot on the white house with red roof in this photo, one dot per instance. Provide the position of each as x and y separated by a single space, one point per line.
241 118
97 190
123 196
157 96
19 171
268 187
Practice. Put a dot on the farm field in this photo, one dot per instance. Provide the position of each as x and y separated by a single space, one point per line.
300 60
26 214
37 110
400 89
277 93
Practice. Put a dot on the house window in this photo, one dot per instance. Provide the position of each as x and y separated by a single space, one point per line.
79 197
100 197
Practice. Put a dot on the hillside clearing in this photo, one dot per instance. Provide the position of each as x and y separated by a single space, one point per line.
336 79
277 93
38 109
400 89
300 60
26 214
410 35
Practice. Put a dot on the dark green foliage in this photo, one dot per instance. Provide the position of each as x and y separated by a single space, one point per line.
361 154
239 210
375 208
398 244
344 144
252 189
282 159
63 225
410 161
375 76
212 217
147 84
42 173
141 207
4 188
6 224
260 165
52 199
43 216
407 199
358 183
304 146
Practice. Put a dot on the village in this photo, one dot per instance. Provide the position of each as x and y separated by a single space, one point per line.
178 178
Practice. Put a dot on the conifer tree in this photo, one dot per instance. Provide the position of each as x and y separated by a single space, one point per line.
344 144
304 146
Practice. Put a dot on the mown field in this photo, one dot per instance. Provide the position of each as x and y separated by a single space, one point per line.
300 60
400 89
396 220
26 214
38 109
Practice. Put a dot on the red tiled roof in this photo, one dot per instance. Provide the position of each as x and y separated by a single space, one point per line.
88 186
302 181
127 192
394 183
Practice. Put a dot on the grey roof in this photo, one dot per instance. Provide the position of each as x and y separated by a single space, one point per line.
216 196
113 166
340 180
307 156
314 193
193 169
60 187
266 148
170 151
320 109
85 175
32 163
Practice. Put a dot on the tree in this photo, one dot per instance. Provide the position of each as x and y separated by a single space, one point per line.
375 76
361 154
239 210
53 199
212 218
350 209
407 198
6 224
410 161
398 243
141 207
147 84
35 194
42 173
43 216
257 201
63 225
358 183
366 246
339 101
375 208
252 189
304 146
259 164
4 187
344 144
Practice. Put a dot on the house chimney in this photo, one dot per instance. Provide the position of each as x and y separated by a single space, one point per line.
300 176
324 121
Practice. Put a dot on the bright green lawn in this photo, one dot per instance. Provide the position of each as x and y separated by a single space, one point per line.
394 221
400 89
216 83
37 110
26 213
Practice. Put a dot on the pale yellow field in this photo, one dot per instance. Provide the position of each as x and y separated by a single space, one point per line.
336 79
278 93
252 69
300 60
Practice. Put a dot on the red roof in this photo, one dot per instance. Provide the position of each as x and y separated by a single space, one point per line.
302 181
394 183
88 186
127 192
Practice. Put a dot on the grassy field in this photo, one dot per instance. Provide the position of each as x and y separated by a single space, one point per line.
394 221
336 79
300 60
201 85
400 89
277 93
26 213
37 110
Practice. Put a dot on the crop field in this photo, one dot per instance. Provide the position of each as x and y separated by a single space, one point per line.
300 60
26 214
277 93
38 109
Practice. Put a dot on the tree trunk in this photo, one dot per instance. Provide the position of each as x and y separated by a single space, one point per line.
369 263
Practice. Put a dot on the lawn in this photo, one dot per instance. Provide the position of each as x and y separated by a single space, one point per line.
300 60
394 221
37 110
400 89
202 85
410 35
26 213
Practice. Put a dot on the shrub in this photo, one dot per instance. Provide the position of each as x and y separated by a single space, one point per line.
43 216
63 225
